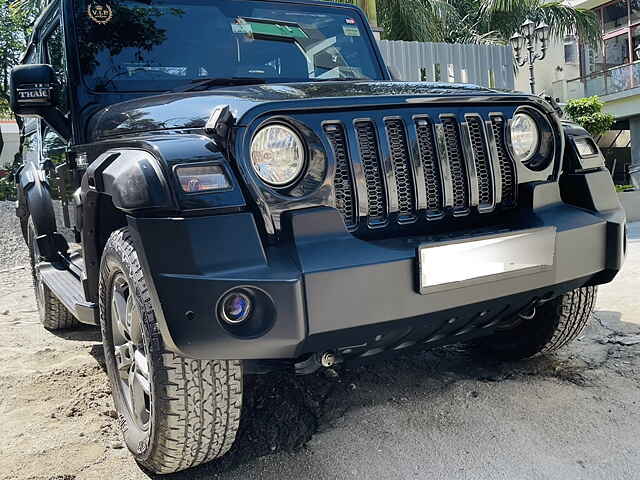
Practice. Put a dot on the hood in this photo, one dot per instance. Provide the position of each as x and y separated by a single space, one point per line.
188 110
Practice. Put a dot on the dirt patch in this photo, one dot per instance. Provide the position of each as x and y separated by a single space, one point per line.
440 414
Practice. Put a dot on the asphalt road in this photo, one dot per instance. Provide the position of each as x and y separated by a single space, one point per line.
439 415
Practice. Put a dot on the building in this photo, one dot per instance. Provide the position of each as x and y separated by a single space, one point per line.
610 70
10 137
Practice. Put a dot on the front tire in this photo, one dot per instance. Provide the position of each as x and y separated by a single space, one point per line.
175 413
554 325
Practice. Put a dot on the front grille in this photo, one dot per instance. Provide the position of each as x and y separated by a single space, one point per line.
459 178
482 162
345 198
371 162
507 169
413 168
430 168
401 168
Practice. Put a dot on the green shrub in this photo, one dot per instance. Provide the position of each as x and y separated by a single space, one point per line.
587 112
7 183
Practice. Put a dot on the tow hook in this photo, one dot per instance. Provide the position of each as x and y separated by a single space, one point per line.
528 314
328 359
316 361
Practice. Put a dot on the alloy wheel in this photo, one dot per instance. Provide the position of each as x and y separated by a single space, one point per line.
130 351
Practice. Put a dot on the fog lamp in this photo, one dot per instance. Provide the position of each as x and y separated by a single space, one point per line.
235 308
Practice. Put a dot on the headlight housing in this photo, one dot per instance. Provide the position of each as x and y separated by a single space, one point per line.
277 155
525 137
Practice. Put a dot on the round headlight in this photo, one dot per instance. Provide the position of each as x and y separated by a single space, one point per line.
525 136
277 155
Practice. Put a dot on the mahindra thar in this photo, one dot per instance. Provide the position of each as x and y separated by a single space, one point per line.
228 187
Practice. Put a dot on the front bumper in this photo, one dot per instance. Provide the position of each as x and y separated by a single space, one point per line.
332 291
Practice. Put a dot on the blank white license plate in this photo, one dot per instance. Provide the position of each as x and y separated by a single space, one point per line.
461 263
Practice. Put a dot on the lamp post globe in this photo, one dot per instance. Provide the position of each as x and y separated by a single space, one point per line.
534 39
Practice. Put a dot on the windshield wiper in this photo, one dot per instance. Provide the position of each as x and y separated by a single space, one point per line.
204 83
339 79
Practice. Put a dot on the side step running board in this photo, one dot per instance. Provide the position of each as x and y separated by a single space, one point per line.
68 289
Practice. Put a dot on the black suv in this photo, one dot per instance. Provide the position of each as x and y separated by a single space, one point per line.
230 187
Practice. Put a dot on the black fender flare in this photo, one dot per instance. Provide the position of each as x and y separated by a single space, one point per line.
35 201
131 179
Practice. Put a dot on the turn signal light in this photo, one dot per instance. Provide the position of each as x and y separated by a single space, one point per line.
586 147
200 179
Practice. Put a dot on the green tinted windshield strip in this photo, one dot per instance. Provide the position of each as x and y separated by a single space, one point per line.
272 28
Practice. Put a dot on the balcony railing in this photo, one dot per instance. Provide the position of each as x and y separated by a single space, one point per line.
614 80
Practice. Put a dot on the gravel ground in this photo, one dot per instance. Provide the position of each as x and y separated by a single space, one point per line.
428 415
12 251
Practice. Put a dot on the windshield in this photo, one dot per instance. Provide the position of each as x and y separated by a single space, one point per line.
130 46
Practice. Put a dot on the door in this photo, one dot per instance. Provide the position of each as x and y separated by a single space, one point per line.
53 147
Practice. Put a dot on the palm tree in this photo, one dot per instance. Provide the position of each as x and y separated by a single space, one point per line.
506 16
476 21
27 7
457 21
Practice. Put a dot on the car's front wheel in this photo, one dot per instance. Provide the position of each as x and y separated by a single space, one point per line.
175 413
547 329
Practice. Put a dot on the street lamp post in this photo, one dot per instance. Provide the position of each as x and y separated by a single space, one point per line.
530 37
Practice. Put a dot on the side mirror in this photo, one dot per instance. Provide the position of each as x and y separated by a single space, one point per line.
32 95
32 89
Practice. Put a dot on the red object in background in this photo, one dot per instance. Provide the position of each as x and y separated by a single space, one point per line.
4 173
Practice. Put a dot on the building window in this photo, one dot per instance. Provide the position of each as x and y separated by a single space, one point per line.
635 11
620 23
616 51
593 60
635 43
570 49
615 16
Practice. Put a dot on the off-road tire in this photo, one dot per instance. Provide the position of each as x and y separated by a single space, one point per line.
555 324
195 404
53 314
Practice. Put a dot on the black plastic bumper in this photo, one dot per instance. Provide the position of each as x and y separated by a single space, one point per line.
332 291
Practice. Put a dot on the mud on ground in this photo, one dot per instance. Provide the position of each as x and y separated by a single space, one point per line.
438 415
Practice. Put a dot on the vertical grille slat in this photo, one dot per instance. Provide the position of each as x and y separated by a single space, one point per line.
482 162
343 182
404 168
457 165
431 169
507 168
370 154
401 160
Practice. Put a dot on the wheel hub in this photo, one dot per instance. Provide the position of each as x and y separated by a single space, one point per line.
130 353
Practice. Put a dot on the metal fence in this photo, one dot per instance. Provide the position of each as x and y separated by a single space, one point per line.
486 65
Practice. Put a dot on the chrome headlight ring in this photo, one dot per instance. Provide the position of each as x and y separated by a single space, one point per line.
278 155
531 139
525 136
